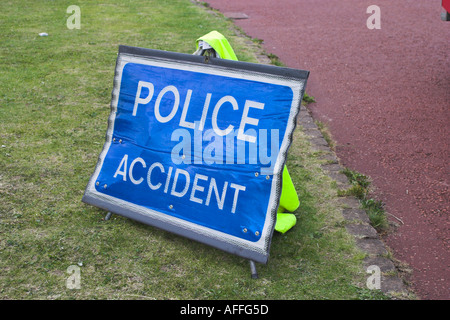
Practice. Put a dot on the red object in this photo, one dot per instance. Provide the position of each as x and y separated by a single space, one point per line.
446 5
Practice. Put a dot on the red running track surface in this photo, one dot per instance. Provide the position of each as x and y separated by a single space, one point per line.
385 95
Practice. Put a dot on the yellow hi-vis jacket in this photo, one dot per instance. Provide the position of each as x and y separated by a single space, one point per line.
289 201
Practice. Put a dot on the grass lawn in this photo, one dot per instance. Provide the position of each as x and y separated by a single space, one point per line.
55 93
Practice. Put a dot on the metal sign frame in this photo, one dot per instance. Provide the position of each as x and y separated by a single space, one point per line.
253 250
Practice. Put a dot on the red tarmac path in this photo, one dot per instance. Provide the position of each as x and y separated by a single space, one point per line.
385 95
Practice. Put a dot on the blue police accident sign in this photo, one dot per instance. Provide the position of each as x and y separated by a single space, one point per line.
197 146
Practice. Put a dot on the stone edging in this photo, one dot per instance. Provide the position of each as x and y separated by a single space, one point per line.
357 221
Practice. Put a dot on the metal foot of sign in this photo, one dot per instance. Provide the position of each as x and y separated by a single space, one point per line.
198 148
108 216
253 270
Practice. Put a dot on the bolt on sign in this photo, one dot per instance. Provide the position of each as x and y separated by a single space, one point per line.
196 146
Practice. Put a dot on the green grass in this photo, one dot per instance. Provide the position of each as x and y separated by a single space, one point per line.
323 127
54 105
361 190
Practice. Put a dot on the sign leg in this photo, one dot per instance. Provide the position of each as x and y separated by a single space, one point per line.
253 269
108 216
